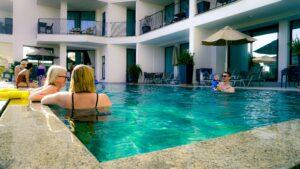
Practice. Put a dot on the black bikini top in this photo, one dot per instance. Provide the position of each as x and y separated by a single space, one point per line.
73 101
83 114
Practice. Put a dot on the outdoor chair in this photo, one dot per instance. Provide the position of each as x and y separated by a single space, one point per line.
158 78
236 80
291 74
254 75
148 77
168 77
203 76
42 27
49 28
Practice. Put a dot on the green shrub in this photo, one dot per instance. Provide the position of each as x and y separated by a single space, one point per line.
186 58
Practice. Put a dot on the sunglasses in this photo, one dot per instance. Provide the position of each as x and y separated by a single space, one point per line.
64 77
224 76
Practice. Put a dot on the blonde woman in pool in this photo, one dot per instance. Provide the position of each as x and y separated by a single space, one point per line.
56 79
82 94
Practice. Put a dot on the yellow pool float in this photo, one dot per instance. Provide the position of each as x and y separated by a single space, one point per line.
15 94
8 89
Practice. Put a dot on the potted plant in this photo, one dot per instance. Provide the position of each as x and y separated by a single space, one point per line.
296 46
296 50
186 64
134 72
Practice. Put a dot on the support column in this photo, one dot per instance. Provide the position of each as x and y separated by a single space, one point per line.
108 19
98 64
192 42
192 8
176 6
283 48
98 22
63 55
63 16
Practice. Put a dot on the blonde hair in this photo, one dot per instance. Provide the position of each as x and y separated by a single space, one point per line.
82 79
53 72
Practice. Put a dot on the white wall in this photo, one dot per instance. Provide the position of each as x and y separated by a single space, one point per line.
113 16
145 8
47 12
25 24
6 14
100 51
115 64
204 55
151 58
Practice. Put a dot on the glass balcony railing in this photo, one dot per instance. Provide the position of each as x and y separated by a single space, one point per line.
171 14
121 29
6 26
64 26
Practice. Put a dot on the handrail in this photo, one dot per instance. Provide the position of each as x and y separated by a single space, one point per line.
71 26
158 19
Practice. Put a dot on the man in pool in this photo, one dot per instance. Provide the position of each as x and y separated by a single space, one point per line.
225 86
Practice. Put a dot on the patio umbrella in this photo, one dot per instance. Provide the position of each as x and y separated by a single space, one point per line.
264 59
174 55
227 36
41 54
174 61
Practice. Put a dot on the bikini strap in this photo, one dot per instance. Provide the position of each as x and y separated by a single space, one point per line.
96 100
72 105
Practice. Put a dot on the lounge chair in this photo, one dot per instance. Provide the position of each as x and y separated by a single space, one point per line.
254 75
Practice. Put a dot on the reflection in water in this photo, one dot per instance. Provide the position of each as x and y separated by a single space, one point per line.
81 122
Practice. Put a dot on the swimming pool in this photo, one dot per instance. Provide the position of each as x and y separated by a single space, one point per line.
150 118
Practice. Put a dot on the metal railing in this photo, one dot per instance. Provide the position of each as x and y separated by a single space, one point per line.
207 5
159 19
6 26
67 26
121 29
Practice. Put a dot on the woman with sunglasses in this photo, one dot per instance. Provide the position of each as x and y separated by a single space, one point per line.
55 80
225 86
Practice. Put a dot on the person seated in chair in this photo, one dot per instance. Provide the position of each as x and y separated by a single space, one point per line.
225 86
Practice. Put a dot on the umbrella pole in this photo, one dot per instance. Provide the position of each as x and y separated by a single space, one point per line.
226 56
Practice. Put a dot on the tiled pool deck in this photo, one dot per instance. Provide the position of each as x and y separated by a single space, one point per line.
31 136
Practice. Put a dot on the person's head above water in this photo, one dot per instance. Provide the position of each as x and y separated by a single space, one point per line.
82 80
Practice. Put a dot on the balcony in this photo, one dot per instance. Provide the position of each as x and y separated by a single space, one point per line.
171 14
122 29
74 27
207 5
6 26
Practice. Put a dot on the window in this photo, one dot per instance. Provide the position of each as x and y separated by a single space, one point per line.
265 51
260 57
295 32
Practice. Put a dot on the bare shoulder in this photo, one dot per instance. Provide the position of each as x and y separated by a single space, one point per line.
104 100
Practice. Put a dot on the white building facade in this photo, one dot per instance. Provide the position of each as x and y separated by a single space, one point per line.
113 34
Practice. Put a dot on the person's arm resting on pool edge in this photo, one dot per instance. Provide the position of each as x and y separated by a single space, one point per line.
39 93
56 98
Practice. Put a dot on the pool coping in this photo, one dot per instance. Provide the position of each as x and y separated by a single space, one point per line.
32 136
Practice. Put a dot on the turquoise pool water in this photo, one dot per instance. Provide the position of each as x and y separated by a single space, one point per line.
151 118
